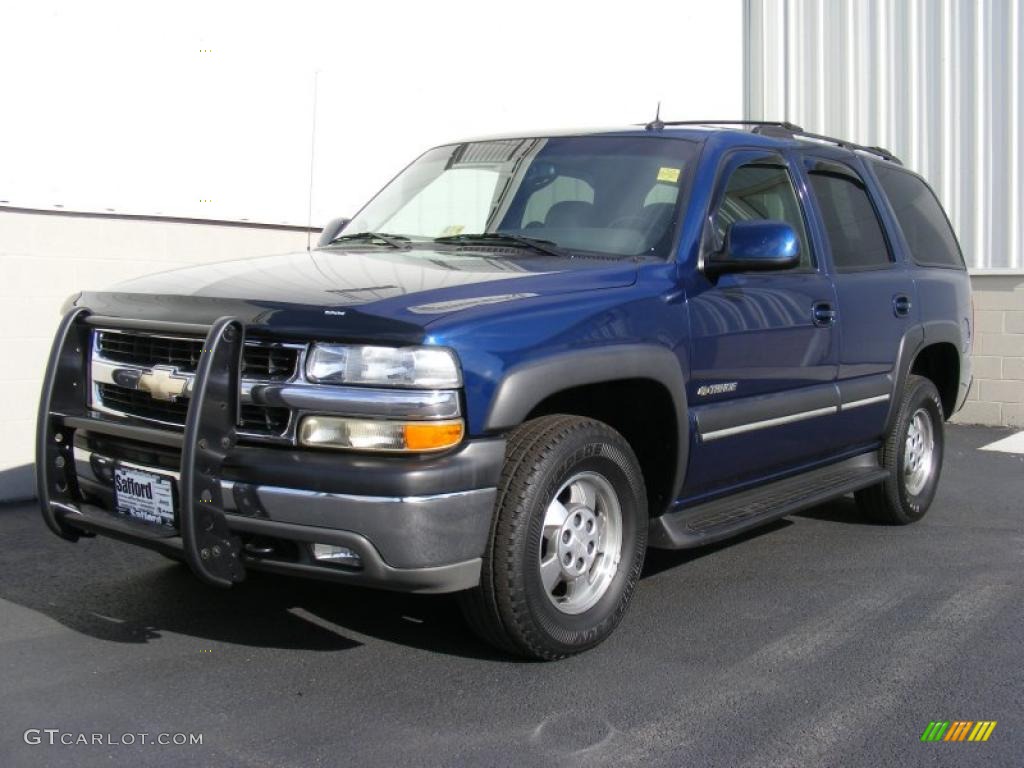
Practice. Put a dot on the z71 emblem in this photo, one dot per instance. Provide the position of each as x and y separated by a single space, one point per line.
716 389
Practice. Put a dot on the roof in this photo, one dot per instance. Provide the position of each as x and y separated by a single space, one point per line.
782 134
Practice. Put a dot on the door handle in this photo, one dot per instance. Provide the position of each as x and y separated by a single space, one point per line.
901 305
823 314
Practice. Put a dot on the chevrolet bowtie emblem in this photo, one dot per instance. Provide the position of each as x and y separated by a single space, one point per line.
163 383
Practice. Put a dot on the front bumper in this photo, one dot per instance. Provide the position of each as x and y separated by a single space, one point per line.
421 542
417 523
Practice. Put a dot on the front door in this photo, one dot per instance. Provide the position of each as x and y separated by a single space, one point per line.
763 346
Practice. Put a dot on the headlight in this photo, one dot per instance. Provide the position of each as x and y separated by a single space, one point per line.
365 435
426 367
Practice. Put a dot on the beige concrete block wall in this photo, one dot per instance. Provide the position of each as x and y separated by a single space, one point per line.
997 395
46 256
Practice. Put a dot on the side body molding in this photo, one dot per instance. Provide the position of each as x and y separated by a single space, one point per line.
526 385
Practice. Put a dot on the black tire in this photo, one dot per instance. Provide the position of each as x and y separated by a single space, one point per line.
511 608
894 501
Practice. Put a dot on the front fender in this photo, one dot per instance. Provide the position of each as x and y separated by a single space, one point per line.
527 385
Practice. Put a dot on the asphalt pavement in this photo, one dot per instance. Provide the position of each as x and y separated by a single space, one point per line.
819 640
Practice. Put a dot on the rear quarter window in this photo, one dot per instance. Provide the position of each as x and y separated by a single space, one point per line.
924 224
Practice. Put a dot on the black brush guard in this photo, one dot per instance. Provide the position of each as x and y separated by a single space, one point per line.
210 549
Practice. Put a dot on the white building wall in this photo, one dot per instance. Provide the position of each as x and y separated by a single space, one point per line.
207 111
46 256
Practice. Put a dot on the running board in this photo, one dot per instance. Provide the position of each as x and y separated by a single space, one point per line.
721 518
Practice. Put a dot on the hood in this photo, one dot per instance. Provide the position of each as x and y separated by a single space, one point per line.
367 293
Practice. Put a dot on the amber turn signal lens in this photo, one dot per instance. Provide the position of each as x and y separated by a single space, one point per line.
373 435
432 436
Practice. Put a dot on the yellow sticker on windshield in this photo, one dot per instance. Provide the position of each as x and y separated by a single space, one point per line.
452 230
670 175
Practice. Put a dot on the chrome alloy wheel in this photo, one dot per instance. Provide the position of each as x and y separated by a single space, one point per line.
581 542
919 452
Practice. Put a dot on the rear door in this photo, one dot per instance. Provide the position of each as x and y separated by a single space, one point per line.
875 293
763 349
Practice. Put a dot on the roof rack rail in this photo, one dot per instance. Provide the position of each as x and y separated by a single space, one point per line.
769 130
657 124
781 129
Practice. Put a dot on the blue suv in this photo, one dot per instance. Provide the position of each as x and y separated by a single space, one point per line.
523 362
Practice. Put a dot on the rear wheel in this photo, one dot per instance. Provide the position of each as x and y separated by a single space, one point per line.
568 540
912 454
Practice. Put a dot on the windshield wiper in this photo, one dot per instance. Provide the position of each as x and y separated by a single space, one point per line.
395 241
535 243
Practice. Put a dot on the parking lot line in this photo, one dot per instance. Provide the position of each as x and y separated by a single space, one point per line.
1012 444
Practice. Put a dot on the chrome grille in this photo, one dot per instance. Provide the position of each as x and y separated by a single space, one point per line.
259 361
262 363
257 419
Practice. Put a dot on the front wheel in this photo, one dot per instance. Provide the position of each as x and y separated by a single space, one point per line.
912 454
568 540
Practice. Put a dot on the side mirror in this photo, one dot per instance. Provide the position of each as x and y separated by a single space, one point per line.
331 231
756 246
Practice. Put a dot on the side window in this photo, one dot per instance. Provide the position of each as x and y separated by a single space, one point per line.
563 189
762 191
925 226
854 233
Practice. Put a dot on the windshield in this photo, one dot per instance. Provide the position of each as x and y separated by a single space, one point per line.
608 195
